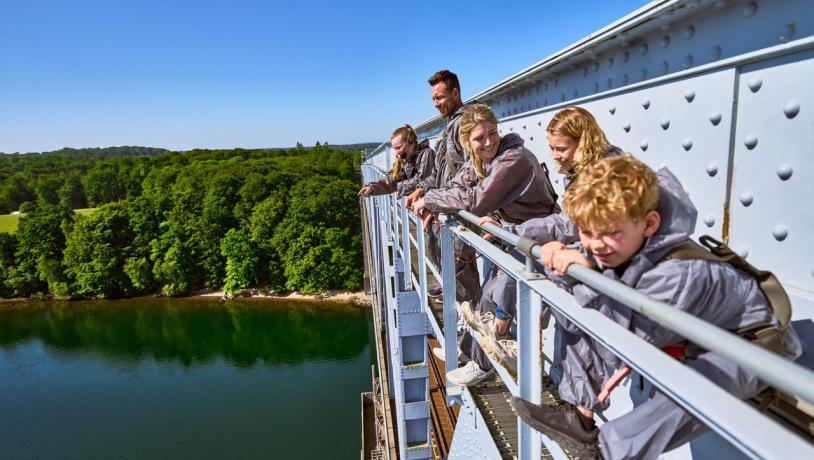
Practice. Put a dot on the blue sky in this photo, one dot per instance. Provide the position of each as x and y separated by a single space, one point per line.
218 74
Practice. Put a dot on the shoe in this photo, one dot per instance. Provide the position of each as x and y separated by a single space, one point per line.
439 353
560 420
469 374
436 291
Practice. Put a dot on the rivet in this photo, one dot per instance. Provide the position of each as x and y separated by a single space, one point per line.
626 56
709 220
562 97
524 126
596 67
715 118
716 52
625 79
596 87
643 145
646 104
664 123
584 71
531 138
556 82
749 10
610 62
644 49
792 108
780 232
688 61
612 109
540 123
644 74
687 144
754 84
746 199
689 32
742 251
689 95
609 83
626 126
665 41
576 93
750 141
665 66
712 169
787 33
784 171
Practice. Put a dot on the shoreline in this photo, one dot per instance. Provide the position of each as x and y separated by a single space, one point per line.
359 298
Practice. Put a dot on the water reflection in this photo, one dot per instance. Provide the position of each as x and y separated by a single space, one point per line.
191 331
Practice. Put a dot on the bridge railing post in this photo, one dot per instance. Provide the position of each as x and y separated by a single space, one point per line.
530 363
406 253
449 294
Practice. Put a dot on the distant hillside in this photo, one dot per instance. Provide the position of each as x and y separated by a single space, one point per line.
98 152
359 146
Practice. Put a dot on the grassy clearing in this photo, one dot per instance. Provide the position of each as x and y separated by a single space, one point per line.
8 222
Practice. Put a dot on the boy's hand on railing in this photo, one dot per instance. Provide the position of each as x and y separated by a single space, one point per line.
418 193
547 252
563 259
488 220
418 207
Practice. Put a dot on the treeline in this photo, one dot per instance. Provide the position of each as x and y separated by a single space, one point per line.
281 220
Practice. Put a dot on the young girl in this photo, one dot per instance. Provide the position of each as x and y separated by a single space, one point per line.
413 164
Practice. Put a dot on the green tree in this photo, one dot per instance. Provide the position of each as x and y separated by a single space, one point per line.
241 261
96 252
72 193
41 242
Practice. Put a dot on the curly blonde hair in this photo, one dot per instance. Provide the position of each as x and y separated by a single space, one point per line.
578 124
471 117
408 136
610 190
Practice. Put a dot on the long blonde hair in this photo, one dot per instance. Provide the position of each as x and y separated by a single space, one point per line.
471 117
408 136
578 124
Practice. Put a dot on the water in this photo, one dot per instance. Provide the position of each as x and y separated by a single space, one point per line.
170 378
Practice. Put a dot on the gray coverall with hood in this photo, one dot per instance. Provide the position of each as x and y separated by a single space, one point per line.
449 159
515 186
417 169
716 292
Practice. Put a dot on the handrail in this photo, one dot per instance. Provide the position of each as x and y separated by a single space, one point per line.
781 373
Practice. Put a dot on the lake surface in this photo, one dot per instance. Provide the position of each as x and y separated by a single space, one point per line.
182 378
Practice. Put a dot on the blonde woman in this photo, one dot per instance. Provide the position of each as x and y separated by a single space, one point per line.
501 177
413 164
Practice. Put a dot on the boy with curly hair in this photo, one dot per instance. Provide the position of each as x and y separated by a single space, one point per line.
630 220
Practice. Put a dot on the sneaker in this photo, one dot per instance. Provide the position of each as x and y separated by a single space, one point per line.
469 374
439 353
560 420
436 291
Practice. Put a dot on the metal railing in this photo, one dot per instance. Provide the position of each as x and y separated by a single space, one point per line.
753 433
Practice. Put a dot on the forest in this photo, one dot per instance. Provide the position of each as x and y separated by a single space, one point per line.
276 220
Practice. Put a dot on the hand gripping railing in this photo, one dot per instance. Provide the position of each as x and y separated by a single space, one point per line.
754 434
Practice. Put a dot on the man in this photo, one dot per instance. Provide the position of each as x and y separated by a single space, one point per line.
450 156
